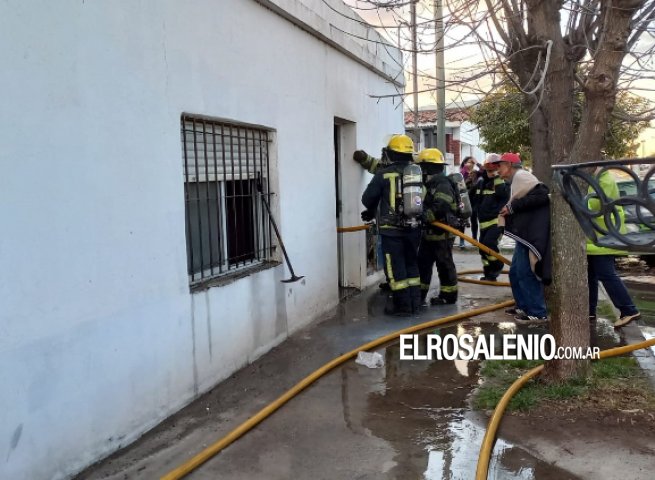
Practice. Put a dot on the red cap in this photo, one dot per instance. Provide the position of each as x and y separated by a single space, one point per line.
510 158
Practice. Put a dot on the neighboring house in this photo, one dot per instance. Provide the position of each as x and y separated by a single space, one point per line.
462 137
140 268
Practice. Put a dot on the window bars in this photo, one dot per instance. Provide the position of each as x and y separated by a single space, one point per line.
227 229
626 222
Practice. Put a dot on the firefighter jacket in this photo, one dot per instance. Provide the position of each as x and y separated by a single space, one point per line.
440 205
490 196
372 164
384 193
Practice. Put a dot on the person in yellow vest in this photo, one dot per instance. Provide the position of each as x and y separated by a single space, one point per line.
600 261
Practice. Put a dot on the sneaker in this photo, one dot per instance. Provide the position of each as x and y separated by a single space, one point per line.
514 311
625 319
525 318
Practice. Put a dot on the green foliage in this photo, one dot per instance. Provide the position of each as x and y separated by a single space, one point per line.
502 118
617 367
503 123
621 138
488 397
605 375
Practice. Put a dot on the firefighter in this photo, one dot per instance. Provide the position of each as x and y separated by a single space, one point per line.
369 163
399 231
440 204
372 164
490 196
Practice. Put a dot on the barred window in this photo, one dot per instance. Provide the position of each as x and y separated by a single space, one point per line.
227 226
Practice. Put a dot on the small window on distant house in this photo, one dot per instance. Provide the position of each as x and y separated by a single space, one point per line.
227 226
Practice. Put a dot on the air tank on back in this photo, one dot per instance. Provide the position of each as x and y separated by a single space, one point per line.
412 193
465 206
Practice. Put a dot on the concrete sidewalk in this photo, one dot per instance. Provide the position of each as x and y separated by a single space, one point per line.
409 419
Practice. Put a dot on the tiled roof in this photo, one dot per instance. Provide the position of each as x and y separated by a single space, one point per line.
430 116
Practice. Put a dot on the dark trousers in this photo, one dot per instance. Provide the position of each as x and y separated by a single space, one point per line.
600 268
439 253
490 237
400 256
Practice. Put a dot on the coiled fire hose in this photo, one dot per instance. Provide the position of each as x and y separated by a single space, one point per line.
487 445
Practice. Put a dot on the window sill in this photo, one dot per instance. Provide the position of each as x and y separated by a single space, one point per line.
232 277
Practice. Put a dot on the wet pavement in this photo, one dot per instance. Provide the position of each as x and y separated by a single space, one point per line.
405 420
642 290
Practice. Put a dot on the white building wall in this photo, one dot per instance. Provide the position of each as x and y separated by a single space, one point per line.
469 136
100 338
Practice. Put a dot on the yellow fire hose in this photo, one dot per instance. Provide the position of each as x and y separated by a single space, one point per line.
487 445
494 421
354 229
239 431
450 229
482 247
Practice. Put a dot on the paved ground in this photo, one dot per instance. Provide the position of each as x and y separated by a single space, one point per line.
403 421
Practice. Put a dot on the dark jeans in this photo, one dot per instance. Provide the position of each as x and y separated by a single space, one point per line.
600 268
527 290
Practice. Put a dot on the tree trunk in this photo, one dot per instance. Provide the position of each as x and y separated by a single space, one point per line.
554 141
539 143
568 295
601 85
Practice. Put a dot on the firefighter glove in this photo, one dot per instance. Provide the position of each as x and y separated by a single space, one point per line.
368 215
360 156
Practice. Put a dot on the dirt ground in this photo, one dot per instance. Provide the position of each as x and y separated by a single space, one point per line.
588 444
594 436
634 266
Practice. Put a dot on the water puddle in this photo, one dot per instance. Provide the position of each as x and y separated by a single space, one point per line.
643 295
420 409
